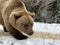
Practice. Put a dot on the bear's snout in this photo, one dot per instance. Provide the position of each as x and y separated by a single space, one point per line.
28 28
30 33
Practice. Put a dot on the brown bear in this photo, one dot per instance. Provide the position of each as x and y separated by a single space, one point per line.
16 19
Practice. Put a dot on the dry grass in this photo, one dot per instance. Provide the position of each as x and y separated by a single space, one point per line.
2 33
46 35
37 35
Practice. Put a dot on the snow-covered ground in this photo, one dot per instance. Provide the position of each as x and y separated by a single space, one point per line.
38 27
45 27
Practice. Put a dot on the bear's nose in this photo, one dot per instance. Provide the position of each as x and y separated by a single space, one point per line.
31 33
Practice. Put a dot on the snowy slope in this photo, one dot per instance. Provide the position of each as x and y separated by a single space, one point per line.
38 27
45 27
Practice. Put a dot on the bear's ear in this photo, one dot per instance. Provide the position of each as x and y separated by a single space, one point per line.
18 3
32 15
21 3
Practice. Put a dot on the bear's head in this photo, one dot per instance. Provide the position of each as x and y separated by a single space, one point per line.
22 20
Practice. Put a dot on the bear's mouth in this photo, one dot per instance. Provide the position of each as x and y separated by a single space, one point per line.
30 33
25 34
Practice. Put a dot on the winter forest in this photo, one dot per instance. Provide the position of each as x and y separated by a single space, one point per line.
46 24
47 11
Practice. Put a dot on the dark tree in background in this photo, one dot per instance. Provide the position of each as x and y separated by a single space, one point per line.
47 11
58 11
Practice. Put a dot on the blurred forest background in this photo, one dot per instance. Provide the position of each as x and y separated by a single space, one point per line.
47 11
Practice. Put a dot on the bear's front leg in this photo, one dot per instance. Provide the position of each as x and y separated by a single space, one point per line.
5 29
14 32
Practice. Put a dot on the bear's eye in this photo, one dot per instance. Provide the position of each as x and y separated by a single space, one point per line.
17 16
32 16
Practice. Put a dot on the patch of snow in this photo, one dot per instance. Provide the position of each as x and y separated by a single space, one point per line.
57 42
17 43
12 41
1 27
45 27
49 42
29 41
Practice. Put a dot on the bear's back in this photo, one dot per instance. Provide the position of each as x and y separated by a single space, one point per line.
2 1
1 4
1 7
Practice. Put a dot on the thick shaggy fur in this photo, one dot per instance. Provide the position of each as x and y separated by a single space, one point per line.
15 18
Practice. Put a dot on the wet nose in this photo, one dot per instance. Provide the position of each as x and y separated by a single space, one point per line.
30 33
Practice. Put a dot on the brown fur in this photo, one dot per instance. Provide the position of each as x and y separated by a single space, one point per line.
15 18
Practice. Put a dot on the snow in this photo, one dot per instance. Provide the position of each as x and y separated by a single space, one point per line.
38 27
1 27
12 41
45 27
31 41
